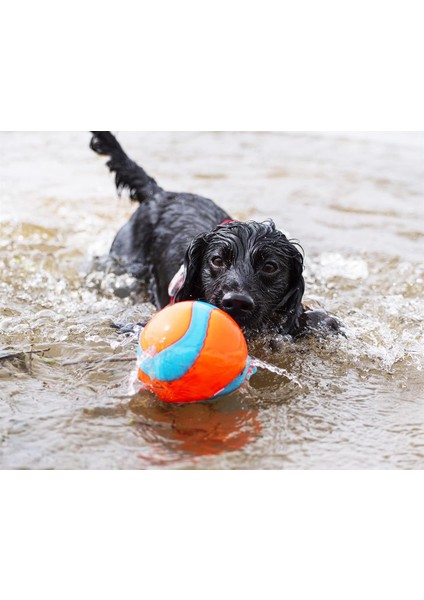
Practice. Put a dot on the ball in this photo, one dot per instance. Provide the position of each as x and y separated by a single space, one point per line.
192 351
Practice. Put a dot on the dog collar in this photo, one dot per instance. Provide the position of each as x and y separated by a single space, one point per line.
176 284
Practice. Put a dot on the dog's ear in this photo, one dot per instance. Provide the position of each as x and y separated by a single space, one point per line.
291 304
191 288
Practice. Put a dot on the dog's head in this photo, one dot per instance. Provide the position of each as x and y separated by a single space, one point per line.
251 271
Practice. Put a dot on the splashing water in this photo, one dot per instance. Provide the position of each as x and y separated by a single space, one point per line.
261 364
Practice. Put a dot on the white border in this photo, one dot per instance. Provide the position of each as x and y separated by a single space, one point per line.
216 534
269 65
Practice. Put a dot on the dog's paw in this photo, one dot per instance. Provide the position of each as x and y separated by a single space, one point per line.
132 328
320 322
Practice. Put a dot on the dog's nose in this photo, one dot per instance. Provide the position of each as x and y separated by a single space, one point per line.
233 302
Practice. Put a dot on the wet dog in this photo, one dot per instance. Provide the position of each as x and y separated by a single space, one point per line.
185 247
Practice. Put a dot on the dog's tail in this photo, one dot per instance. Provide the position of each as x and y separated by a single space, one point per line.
128 174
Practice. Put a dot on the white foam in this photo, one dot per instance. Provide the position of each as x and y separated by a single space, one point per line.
334 264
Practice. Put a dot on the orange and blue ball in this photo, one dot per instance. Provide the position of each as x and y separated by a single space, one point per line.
192 351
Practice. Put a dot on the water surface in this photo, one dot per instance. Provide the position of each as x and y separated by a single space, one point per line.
356 204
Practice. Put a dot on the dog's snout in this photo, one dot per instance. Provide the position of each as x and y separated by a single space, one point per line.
233 302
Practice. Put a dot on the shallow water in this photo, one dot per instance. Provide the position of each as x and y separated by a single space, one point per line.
354 201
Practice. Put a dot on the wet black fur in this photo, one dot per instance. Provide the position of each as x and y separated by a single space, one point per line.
169 229
245 247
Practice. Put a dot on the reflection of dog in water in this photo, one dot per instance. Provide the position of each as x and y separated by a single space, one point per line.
187 248
196 429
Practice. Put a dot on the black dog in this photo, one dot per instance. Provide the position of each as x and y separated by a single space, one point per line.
187 248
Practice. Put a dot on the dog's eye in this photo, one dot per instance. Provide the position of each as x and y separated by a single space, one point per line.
270 267
217 261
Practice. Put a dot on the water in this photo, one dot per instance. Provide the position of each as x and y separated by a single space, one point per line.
354 201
